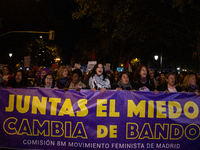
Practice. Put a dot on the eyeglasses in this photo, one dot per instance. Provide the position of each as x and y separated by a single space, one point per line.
49 79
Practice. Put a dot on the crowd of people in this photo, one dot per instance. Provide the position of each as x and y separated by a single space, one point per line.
142 79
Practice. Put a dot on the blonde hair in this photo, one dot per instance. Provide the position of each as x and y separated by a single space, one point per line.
60 72
186 80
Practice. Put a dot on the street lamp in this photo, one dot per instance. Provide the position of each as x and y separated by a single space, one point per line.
156 57
10 54
178 70
57 59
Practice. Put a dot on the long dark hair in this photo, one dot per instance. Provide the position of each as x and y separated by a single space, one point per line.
137 75
22 83
94 70
120 75
43 80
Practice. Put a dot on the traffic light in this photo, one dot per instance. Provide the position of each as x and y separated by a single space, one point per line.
194 54
51 34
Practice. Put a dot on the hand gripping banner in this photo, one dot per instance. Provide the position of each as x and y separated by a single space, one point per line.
55 119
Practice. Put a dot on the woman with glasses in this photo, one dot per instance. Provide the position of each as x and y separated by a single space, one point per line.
48 81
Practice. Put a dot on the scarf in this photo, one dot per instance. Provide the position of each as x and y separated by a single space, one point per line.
48 87
5 78
98 82
98 79
124 86
193 86
63 81
143 80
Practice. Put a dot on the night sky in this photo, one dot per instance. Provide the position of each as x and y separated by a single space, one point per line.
45 15
39 15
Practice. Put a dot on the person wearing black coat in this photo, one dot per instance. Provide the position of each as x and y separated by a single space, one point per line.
170 86
189 84
19 80
123 82
142 81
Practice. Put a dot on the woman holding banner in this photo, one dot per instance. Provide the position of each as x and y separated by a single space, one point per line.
142 81
48 81
123 82
170 86
62 80
76 80
189 84
19 80
98 79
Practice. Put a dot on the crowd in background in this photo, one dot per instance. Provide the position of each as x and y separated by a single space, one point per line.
142 79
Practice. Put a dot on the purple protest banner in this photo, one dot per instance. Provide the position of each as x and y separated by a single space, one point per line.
55 119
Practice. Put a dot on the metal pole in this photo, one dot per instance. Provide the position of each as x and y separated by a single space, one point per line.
161 60
23 32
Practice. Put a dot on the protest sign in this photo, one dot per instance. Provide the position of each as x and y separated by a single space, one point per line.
90 65
27 60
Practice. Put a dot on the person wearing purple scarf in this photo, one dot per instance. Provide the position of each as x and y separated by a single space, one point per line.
41 74
62 80
142 81
189 84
